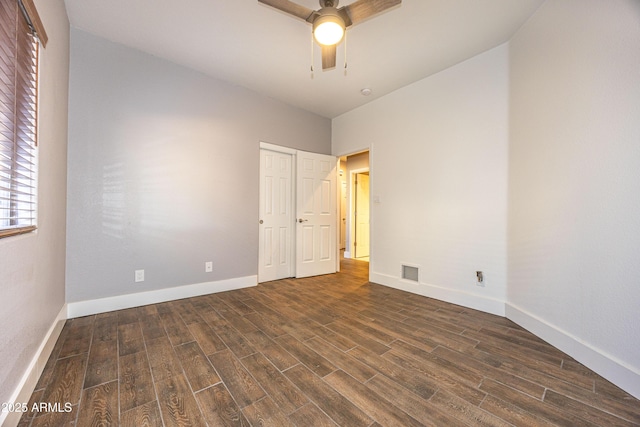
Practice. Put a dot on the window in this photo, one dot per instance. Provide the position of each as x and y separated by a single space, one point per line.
20 33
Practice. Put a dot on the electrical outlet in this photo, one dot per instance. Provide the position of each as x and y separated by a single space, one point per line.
139 276
208 266
480 278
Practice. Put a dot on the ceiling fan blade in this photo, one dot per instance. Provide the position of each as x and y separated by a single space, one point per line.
364 9
328 57
290 7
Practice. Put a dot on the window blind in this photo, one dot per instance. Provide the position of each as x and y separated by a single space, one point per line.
18 119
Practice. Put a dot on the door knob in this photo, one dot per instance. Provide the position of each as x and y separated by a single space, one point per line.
302 220
261 222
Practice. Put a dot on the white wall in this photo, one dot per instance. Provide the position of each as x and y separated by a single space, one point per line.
439 168
32 265
163 171
574 182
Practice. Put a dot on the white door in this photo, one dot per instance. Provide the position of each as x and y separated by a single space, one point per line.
316 202
276 216
361 241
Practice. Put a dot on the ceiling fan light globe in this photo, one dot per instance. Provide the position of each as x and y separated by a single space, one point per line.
328 30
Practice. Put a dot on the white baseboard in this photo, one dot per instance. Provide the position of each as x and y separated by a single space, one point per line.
465 299
103 305
621 374
624 376
347 254
29 380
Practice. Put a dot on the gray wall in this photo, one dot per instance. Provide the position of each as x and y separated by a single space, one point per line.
32 265
163 170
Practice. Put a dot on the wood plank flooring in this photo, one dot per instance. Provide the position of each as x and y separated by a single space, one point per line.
323 351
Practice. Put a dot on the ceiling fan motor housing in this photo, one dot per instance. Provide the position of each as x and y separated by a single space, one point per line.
329 17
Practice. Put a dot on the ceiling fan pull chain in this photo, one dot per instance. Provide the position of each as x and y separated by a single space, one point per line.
345 54
311 54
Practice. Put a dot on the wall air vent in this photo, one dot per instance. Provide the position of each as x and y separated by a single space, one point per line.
410 273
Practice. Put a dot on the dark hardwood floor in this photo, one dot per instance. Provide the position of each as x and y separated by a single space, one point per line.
323 351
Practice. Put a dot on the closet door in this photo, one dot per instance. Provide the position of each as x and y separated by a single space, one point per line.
316 214
276 216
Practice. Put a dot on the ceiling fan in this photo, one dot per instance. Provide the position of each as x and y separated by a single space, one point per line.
330 23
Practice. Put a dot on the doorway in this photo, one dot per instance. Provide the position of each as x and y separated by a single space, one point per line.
355 217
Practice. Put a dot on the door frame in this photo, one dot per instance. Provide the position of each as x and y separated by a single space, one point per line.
374 198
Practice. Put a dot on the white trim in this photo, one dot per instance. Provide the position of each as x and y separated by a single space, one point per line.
278 148
618 372
29 380
355 152
102 305
454 296
338 214
372 193
621 374
347 254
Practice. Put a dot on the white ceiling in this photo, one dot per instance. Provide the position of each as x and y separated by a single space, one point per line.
255 46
